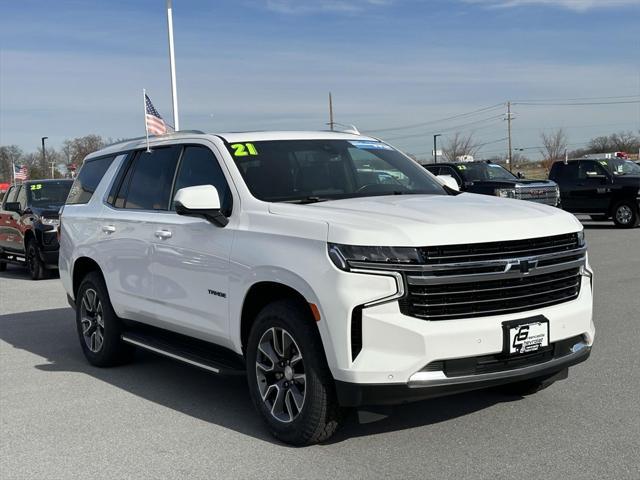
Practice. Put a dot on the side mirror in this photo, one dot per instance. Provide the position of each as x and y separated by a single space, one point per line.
520 175
13 207
200 201
449 181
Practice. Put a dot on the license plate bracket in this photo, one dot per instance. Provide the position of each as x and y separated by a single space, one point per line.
526 335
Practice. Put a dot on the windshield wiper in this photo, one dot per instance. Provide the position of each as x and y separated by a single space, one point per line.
307 200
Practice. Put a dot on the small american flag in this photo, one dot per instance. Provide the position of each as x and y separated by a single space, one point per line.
20 172
154 122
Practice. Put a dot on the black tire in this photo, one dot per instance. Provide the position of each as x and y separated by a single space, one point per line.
3 266
319 415
35 265
526 387
599 218
625 214
91 311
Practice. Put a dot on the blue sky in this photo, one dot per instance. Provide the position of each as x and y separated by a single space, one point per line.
73 67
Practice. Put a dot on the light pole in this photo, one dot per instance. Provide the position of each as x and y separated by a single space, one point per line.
435 147
44 155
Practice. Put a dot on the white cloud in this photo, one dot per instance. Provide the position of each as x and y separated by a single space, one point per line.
576 5
315 6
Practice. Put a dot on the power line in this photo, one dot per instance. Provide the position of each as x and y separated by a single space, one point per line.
567 104
577 99
430 122
454 127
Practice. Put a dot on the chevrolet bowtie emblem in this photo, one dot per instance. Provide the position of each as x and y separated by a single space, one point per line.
525 265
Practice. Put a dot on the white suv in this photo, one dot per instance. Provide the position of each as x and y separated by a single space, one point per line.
328 267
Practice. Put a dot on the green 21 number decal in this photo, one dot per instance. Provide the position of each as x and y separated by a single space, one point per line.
244 149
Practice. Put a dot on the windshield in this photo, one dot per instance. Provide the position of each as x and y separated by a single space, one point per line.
619 166
482 172
306 171
48 194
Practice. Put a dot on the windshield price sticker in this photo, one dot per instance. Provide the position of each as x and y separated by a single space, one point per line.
244 149
366 145
36 186
461 167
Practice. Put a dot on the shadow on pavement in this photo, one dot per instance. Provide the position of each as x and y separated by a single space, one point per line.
223 401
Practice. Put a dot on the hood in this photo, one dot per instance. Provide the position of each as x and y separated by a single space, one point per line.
47 212
516 182
425 220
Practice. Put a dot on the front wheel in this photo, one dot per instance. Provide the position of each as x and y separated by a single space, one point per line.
36 266
289 380
625 214
99 328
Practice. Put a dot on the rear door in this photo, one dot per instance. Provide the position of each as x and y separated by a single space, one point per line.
191 255
128 225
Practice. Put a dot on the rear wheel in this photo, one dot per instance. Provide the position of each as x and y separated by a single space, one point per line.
99 329
625 214
37 269
289 380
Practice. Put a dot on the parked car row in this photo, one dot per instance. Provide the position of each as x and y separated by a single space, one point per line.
604 189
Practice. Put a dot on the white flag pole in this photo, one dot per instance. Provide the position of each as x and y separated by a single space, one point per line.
144 105
172 64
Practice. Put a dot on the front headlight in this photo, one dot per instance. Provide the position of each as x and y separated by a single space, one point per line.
505 192
581 240
343 255
50 221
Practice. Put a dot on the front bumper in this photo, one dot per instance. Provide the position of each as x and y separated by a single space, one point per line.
425 385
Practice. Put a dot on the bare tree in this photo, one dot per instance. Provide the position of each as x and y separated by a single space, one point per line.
554 146
460 145
625 142
9 154
600 144
76 149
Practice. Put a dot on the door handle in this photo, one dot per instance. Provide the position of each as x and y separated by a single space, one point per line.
163 234
108 228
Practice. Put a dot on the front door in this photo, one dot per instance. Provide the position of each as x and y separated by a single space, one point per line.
593 190
191 256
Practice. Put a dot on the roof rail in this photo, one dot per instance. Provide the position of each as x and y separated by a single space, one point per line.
172 134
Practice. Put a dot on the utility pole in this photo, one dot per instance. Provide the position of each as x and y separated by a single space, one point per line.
510 156
435 147
172 66
331 124
44 155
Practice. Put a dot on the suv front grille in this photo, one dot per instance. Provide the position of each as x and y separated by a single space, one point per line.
540 194
474 280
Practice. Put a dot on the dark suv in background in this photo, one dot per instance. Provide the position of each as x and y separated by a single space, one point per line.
29 225
488 178
603 189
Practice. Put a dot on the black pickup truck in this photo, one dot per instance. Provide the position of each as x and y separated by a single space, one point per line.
603 189
488 178
29 225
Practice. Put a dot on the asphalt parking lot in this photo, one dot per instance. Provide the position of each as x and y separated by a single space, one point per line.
63 419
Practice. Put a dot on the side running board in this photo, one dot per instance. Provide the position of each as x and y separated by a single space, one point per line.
191 351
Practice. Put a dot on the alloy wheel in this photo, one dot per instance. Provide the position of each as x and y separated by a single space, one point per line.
624 214
92 320
280 374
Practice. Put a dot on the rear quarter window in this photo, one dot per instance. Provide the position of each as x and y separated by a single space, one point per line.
88 179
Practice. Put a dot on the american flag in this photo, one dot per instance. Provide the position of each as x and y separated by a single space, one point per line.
20 172
155 124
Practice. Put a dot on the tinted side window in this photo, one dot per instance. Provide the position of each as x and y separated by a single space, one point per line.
88 179
592 168
562 173
199 166
151 179
10 195
22 197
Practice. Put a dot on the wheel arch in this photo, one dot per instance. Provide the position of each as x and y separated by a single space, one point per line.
260 294
81 267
